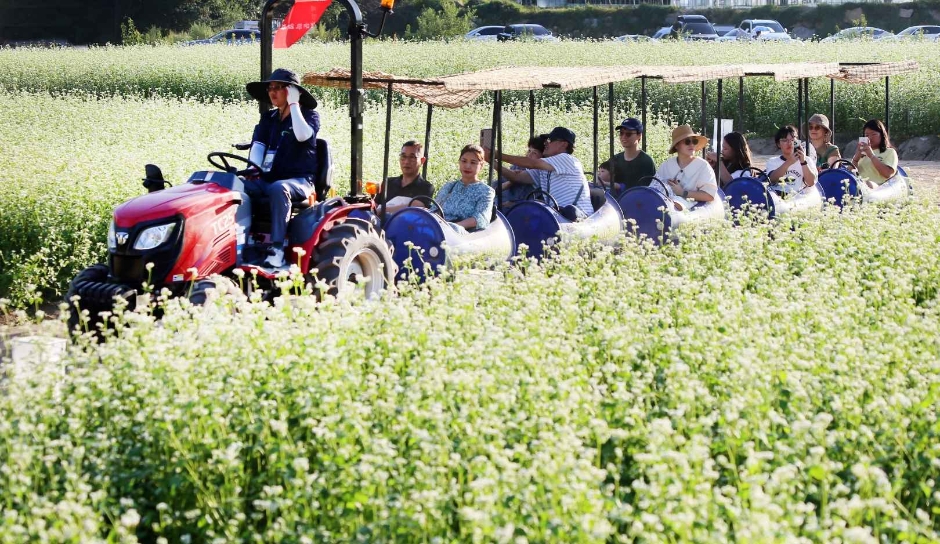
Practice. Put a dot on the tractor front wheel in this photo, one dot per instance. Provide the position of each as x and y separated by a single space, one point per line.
353 255
95 273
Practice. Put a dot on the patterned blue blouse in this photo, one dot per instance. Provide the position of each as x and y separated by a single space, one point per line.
465 201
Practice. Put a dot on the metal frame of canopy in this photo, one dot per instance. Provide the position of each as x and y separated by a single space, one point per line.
460 89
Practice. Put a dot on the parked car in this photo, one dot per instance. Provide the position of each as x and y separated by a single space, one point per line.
761 33
750 25
693 27
484 33
525 31
859 32
633 38
662 33
924 32
722 30
231 37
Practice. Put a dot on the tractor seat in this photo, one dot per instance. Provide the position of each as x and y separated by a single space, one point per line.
322 182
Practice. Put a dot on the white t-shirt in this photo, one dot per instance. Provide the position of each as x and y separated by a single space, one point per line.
698 175
565 182
793 182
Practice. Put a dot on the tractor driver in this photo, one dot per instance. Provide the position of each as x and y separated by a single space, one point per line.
284 145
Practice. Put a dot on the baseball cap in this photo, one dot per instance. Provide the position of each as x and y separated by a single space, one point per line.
631 123
562 133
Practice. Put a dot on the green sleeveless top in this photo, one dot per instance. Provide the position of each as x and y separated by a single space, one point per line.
822 158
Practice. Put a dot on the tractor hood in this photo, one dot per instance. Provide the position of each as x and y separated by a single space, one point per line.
184 200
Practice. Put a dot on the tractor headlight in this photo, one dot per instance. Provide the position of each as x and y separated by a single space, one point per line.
112 237
154 236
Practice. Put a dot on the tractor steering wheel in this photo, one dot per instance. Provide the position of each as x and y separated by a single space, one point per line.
846 163
652 179
226 167
547 198
429 202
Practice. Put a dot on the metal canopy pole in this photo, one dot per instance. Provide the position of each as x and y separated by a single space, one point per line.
806 110
704 113
643 107
489 175
388 143
610 115
799 106
887 104
596 128
427 141
499 147
832 109
716 145
531 114
741 105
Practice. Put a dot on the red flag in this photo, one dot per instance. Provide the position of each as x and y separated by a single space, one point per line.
301 18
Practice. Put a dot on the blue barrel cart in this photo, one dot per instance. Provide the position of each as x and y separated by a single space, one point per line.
755 194
652 213
843 186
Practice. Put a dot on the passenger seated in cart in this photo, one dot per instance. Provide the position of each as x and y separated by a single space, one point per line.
689 179
629 167
513 191
735 158
603 175
558 173
820 135
790 172
876 159
467 202
403 188
284 146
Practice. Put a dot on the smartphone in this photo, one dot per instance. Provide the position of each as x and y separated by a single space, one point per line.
864 140
486 138
797 145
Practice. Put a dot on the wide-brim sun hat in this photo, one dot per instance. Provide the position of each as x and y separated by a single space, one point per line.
821 120
259 89
682 132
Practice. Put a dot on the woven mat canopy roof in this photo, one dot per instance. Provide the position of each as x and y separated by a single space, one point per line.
461 89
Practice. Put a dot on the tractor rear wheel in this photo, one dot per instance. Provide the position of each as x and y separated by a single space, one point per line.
95 273
351 254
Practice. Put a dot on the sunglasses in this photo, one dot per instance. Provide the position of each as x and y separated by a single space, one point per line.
691 141
276 88
815 127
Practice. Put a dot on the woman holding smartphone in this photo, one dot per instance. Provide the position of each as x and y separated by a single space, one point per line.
875 157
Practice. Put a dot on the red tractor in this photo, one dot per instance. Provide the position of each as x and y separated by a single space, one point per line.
192 237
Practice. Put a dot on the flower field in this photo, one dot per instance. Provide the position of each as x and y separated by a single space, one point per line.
759 384
772 382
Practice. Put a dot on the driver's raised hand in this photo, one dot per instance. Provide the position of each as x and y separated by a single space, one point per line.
293 94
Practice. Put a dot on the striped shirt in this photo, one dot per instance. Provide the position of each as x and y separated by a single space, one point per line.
566 182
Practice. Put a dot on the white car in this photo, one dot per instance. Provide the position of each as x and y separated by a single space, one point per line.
751 25
662 33
761 33
923 32
484 33
859 33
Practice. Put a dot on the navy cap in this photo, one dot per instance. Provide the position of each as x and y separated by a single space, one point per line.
631 123
561 133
